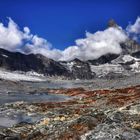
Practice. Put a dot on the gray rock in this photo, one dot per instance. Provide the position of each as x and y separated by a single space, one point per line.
114 131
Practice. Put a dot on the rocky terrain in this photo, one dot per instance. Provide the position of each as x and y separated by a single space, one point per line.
53 110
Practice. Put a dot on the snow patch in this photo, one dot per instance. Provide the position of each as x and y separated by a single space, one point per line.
127 58
135 67
29 73
106 68
15 76
70 65
124 59
4 55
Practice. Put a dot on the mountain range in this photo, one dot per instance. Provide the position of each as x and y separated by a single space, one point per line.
108 65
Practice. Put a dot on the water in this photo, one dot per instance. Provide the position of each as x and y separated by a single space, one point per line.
10 116
51 84
14 97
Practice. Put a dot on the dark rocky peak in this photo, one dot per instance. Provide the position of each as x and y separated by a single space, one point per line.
78 69
103 59
112 23
77 61
82 71
136 54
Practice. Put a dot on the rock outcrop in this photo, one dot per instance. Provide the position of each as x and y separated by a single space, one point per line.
15 61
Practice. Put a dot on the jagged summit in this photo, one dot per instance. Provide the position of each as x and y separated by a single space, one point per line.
112 23
76 60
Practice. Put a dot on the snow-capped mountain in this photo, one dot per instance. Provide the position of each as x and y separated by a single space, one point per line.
79 69
109 65
106 65
15 61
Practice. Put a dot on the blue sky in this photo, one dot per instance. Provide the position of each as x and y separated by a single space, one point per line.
61 22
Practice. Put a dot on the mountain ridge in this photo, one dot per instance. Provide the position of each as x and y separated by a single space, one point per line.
127 62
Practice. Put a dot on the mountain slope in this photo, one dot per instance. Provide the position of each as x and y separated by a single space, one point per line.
15 61
79 69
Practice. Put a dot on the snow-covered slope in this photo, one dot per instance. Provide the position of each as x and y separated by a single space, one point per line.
122 59
105 69
124 64
18 76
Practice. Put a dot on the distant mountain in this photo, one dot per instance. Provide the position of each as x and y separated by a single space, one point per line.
15 61
79 69
103 59
136 54
112 23
109 65
106 66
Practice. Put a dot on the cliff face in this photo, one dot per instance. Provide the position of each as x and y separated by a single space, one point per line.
38 63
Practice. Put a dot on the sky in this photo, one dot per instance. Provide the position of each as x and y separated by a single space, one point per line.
61 22
65 30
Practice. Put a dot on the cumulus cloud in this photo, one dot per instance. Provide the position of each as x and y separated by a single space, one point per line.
91 47
39 45
10 36
133 30
96 45
14 39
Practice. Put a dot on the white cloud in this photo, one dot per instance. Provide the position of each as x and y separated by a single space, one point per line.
10 36
135 28
91 47
13 39
26 30
39 45
96 45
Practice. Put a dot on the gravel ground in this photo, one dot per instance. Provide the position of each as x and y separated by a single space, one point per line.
88 115
6 86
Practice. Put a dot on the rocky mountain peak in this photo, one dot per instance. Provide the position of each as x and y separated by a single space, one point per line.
112 23
76 60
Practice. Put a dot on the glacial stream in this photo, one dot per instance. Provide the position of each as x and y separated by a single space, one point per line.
10 117
31 98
